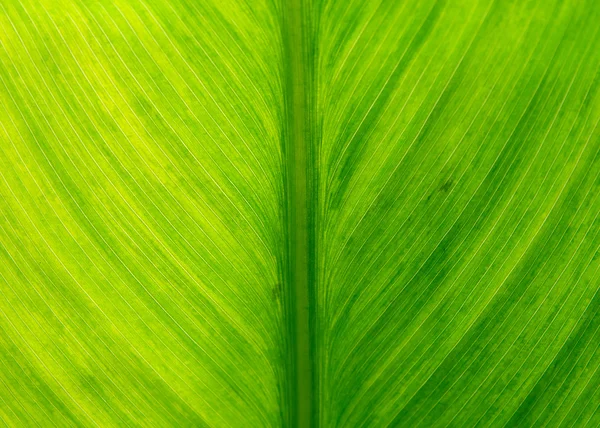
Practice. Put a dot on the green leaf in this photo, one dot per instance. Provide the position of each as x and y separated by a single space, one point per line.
299 213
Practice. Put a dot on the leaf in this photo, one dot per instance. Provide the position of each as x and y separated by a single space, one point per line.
299 213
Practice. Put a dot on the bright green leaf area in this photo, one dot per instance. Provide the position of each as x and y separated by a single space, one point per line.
294 213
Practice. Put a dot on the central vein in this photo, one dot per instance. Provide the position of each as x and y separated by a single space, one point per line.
299 168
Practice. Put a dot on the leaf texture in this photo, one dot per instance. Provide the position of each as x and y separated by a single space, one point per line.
141 214
299 213
458 206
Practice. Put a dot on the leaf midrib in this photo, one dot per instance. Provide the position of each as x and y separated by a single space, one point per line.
298 152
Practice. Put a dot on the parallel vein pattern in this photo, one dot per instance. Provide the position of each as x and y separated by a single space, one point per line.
151 213
459 202
140 216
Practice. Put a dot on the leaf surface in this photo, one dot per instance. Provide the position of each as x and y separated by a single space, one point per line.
299 213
